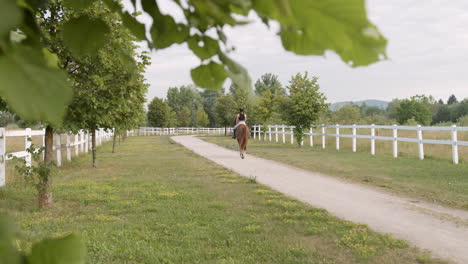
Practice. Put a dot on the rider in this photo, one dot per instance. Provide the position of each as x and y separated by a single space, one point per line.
241 118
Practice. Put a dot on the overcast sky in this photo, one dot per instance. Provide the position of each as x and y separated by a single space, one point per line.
428 51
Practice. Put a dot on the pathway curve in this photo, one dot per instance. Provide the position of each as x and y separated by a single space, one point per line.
441 230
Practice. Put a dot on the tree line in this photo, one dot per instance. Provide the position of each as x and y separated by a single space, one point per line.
418 109
300 103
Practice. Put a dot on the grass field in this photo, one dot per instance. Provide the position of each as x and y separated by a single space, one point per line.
156 202
434 180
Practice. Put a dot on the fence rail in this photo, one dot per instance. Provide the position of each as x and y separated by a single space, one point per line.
275 130
150 131
78 143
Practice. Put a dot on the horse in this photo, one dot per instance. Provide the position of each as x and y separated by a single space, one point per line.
242 135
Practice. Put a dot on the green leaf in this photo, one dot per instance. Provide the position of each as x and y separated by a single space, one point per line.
84 35
236 72
312 27
8 253
10 16
209 49
34 90
211 75
166 32
67 250
78 4
137 28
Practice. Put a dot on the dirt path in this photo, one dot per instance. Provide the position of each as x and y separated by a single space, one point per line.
441 230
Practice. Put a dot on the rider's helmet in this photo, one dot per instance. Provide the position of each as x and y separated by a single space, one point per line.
241 109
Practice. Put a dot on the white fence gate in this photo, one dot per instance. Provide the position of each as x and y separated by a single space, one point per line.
81 143
275 130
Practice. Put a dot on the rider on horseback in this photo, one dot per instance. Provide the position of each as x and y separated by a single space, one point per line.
241 118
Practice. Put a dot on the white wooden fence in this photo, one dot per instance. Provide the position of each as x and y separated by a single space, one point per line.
283 131
150 131
81 143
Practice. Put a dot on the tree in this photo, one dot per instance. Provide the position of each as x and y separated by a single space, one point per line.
185 97
158 113
202 118
109 87
348 114
225 110
263 109
269 82
443 114
392 108
441 102
209 100
304 104
305 28
452 100
417 108
184 117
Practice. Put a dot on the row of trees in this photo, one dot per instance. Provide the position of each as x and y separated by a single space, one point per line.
419 109
108 86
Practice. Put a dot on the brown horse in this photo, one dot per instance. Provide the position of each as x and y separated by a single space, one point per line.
242 135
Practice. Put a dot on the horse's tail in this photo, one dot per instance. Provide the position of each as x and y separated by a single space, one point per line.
243 136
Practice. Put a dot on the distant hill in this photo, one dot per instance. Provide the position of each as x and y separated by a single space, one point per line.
377 103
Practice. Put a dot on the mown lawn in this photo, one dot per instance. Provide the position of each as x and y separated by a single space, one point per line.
156 202
433 180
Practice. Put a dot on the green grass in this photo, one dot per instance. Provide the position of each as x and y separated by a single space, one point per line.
156 202
432 180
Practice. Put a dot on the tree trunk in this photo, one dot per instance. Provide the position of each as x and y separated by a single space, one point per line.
93 148
45 196
225 130
113 143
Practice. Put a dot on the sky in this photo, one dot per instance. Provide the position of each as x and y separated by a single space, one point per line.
427 50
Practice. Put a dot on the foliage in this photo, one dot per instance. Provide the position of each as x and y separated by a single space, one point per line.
463 121
263 109
269 82
225 110
202 118
184 117
348 114
209 101
452 100
38 173
66 250
158 113
304 104
306 27
185 102
417 108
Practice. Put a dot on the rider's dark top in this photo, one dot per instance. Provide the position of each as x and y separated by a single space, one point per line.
241 117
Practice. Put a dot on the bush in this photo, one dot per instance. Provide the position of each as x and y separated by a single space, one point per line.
463 121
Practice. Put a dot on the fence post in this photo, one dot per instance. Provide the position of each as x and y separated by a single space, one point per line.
269 132
283 133
395 141
337 137
86 141
27 143
372 139
75 142
420 143
292 135
323 136
254 131
2 156
454 145
81 141
276 133
58 149
68 148
311 137
354 138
